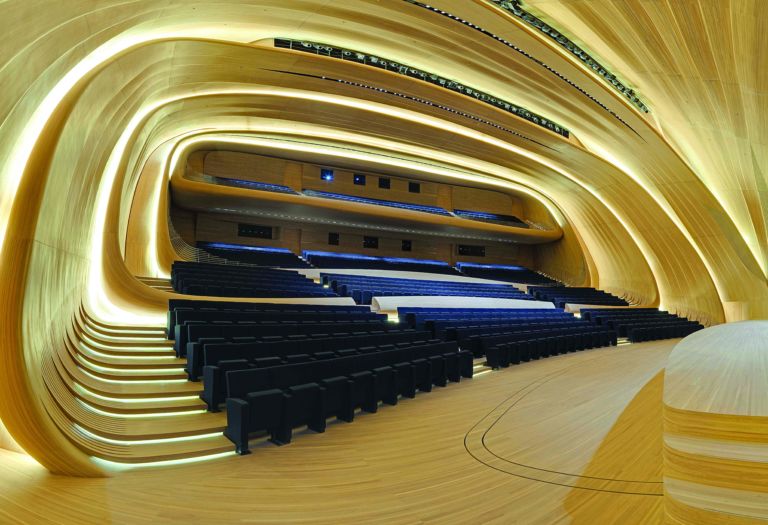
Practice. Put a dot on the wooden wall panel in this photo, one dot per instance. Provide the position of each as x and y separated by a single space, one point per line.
77 126
297 237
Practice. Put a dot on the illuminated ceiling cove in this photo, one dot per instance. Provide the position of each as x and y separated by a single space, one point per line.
660 185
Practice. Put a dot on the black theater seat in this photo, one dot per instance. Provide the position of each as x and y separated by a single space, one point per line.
316 390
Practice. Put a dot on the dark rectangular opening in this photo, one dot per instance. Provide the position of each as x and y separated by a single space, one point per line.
333 238
470 250
358 179
254 230
414 187
384 183
370 242
406 245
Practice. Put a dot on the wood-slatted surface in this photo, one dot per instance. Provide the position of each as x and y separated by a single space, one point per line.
128 396
647 223
716 426
568 439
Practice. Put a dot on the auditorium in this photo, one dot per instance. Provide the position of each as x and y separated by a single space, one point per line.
384 262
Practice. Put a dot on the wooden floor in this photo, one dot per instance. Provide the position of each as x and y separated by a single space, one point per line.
569 439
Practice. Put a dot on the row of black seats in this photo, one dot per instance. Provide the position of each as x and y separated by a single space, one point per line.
562 295
210 352
624 328
440 327
364 288
596 315
255 255
642 324
546 342
281 398
670 331
339 261
470 337
501 355
277 310
241 281
413 315
512 274
191 331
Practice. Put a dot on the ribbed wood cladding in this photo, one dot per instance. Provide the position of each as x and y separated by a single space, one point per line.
716 426
651 223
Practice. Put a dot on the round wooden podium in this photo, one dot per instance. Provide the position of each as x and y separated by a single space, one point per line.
716 426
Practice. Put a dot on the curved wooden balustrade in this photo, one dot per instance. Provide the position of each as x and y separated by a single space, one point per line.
716 426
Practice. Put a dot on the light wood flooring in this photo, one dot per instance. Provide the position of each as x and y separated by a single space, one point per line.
568 439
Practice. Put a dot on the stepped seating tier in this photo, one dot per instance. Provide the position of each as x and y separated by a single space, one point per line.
498 272
369 262
378 202
280 398
642 324
491 332
239 281
275 310
507 220
254 255
562 295
222 358
363 289
254 185
414 316
192 324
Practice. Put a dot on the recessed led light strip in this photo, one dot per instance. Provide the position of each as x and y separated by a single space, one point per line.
421 101
522 52
412 72
147 415
128 400
85 348
128 372
153 441
163 381
515 7
114 465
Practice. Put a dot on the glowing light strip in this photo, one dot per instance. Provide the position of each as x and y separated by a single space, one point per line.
153 441
96 353
129 400
668 211
151 253
130 381
148 415
17 162
114 465
127 371
153 337
149 349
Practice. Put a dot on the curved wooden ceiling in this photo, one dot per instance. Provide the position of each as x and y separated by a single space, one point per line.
667 207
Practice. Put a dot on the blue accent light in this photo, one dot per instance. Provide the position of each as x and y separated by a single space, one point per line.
461 265
309 253
378 202
510 220
326 175
360 257
416 261
254 185
242 247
